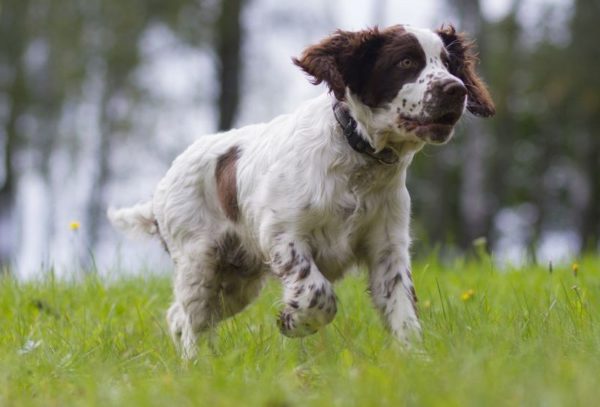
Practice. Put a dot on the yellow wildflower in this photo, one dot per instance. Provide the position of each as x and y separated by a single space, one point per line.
467 295
426 304
74 225
575 268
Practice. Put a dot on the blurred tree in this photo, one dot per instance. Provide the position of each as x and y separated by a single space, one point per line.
453 182
55 73
117 28
502 65
13 43
474 207
541 148
582 63
552 123
229 49
52 50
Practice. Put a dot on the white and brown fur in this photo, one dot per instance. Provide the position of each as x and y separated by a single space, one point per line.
290 198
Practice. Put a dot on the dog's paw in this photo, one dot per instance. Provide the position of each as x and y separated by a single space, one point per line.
293 327
175 320
409 333
298 322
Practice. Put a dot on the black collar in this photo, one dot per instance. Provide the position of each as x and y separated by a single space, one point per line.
356 141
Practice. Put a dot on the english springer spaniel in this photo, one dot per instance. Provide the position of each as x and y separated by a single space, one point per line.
310 194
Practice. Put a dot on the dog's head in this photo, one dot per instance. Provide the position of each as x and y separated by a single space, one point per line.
402 83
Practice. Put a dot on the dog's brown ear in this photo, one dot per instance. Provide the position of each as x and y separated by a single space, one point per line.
339 59
463 60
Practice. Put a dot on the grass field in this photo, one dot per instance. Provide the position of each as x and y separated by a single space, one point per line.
521 337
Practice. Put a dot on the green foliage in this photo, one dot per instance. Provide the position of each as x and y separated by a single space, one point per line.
541 148
517 337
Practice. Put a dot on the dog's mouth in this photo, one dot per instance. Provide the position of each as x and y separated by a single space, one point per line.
437 130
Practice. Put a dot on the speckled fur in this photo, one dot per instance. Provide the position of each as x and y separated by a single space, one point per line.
305 208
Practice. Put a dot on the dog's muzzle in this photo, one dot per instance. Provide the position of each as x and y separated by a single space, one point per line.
445 103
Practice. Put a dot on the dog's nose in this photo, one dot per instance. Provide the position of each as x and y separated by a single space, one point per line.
452 87
446 101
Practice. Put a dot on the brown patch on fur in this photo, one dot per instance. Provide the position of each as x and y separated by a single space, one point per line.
387 75
365 61
462 60
226 175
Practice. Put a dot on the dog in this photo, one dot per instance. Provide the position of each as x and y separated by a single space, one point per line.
313 193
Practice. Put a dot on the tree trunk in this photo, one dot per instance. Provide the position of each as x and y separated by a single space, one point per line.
96 204
586 110
12 46
229 48
473 205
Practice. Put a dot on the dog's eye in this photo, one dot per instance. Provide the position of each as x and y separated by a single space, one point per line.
406 63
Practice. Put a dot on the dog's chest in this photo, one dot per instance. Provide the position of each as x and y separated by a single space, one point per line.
337 233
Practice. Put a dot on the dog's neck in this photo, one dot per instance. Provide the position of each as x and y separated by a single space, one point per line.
386 156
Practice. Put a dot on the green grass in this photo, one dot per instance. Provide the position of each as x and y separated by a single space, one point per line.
526 337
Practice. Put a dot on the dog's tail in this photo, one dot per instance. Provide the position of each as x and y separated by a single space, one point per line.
138 219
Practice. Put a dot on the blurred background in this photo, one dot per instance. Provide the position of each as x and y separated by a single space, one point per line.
97 97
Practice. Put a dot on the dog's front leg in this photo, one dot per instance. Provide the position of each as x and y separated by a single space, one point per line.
393 292
308 296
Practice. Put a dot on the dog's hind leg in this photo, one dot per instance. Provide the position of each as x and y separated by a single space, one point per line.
232 297
210 287
240 276
196 292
